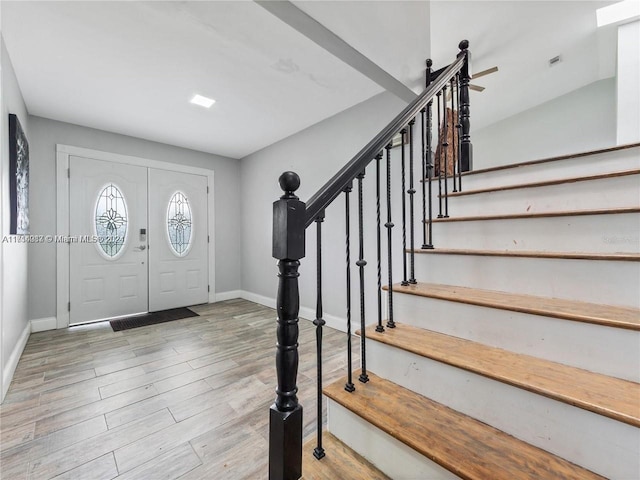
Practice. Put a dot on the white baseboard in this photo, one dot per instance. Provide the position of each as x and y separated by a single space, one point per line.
306 313
12 362
261 299
43 324
228 295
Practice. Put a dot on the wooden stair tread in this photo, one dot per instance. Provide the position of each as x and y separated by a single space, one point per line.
546 183
555 158
608 396
612 316
566 213
630 257
461 444
340 462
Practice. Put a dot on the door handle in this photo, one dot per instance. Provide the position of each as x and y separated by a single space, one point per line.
140 248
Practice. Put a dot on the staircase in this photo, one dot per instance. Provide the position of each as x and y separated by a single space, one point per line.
517 354
510 349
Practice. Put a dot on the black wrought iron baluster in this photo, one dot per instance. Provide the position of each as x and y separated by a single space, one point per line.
379 327
411 192
403 134
454 132
423 161
361 264
285 415
389 226
319 322
439 159
445 148
349 387
459 132
430 166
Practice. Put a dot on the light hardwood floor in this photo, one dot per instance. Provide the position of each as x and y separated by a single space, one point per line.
187 399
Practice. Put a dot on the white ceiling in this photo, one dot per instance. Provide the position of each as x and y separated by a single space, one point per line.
393 34
520 37
131 67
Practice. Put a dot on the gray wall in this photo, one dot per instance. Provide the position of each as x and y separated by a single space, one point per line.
45 134
581 120
13 257
316 154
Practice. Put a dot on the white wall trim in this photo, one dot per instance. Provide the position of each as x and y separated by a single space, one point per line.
230 295
262 300
306 313
12 362
63 152
43 324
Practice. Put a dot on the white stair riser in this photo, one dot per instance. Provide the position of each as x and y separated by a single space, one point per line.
575 167
389 455
598 443
582 233
613 192
607 350
594 281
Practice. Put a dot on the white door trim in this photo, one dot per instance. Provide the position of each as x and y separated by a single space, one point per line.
63 152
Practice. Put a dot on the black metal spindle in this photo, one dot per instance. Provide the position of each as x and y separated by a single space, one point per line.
439 159
379 327
361 264
459 131
349 387
411 192
423 163
445 148
389 226
319 322
403 134
429 243
454 132
426 177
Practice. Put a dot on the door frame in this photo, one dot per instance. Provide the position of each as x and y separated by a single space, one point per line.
63 152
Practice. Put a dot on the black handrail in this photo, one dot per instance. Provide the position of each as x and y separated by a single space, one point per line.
334 187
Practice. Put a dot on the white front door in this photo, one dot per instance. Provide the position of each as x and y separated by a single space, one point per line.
108 257
178 250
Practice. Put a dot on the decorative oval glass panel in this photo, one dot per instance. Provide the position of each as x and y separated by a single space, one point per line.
111 220
179 224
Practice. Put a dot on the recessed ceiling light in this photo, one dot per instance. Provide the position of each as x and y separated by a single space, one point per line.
202 101
618 12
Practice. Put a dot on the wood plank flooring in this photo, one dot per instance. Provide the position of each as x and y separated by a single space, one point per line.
187 399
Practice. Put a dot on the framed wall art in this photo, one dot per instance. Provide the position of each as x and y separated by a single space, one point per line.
18 178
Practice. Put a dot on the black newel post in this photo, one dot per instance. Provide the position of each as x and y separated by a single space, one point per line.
285 415
466 149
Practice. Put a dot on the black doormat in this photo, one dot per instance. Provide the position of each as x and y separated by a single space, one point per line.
151 318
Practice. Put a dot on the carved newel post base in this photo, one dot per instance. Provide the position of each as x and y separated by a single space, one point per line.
285 416
285 443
